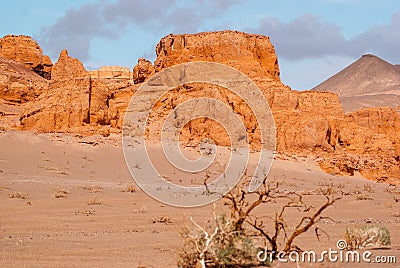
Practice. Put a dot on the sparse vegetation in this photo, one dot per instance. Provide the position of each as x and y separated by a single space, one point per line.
18 195
162 219
364 197
218 245
60 194
95 201
368 188
243 227
367 236
140 210
130 189
88 212
93 188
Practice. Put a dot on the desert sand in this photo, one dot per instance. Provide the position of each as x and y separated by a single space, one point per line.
70 201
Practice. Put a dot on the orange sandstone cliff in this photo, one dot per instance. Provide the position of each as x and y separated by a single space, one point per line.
308 123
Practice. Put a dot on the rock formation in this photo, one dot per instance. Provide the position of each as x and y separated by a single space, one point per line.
111 72
65 104
24 49
18 85
252 54
79 101
142 70
308 123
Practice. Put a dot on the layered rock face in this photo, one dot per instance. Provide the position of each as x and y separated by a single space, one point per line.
24 49
252 54
307 123
111 72
76 102
19 84
66 103
368 141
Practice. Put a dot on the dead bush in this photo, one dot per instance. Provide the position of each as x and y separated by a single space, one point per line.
249 221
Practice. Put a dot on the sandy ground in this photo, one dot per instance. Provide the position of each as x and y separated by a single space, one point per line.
98 222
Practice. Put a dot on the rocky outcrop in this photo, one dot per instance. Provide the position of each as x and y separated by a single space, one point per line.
252 54
368 141
111 72
77 102
66 104
142 70
25 50
304 119
19 84
309 122
108 101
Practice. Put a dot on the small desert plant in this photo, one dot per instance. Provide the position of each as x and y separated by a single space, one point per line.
88 212
60 194
368 188
130 189
95 201
162 219
140 210
357 191
93 188
367 236
363 197
18 195
218 245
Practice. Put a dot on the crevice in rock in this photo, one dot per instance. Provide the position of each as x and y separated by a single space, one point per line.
87 119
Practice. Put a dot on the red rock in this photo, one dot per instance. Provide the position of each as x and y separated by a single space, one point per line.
66 104
24 49
252 54
142 71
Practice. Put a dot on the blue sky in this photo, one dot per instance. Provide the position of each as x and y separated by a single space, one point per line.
313 38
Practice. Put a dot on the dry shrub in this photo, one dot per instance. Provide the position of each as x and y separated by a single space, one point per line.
396 214
367 236
368 188
130 189
88 212
60 194
140 210
364 197
93 188
18 195
244 224
218 245
162 219
95 201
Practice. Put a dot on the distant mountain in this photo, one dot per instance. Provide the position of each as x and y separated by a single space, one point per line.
368 82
